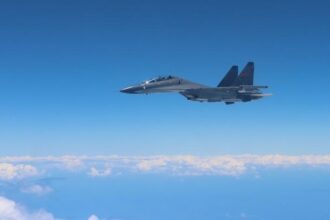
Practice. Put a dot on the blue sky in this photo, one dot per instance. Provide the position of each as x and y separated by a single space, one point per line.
62 64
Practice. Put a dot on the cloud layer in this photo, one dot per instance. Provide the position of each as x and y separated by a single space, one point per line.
36 189
10 171
101 166
20 169
10 210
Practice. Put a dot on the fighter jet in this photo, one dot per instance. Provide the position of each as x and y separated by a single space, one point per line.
232 88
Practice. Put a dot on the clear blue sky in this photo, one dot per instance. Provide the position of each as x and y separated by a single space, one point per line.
63 62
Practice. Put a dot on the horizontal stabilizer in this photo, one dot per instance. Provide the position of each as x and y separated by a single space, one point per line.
229 78
246 76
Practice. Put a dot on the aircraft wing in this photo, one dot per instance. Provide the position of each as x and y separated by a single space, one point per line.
227 94
239 89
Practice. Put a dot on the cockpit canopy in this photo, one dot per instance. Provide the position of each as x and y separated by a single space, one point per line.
158 79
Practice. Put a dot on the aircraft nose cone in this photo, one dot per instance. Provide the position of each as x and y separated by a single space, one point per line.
125 90
129 90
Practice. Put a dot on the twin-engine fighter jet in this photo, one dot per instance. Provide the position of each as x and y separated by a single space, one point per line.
232 88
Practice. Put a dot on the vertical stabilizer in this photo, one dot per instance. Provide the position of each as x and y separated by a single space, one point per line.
229 78
246 76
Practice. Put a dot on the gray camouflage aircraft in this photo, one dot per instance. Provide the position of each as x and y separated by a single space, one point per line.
232 88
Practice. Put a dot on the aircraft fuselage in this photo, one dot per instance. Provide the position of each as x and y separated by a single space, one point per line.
233 87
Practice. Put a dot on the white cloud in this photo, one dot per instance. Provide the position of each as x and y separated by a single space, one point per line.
192 165
93 217
152 163
96 173
37 189
11 171
10 210
71 162
230 165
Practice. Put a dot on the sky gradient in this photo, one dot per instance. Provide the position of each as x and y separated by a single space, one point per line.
74 148
62 65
